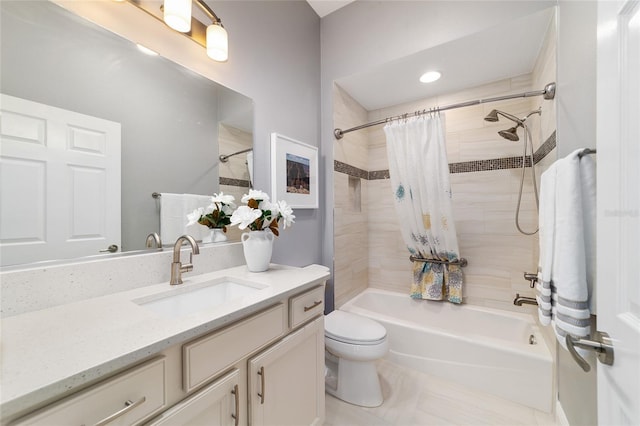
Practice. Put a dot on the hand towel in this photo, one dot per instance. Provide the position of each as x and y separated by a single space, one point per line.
546 238
567 246
192 202
569 271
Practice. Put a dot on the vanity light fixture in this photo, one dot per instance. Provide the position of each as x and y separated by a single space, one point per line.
177 14
430 77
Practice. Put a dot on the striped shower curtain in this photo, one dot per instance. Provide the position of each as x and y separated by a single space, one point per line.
419 174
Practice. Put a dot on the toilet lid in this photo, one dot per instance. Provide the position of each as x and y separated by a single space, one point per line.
350 328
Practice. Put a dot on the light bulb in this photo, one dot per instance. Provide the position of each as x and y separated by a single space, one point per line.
177 15
217 42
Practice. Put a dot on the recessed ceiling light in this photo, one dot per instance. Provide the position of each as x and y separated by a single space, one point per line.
146 50
430 77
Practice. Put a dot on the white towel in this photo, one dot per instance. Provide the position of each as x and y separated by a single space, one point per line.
192 202
174 209
567 245
546 238
172 219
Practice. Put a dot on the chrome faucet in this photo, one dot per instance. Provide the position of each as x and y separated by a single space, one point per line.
177 268
152 239
519 300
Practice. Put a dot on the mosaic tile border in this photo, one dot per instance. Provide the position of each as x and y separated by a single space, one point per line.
234 182
461 167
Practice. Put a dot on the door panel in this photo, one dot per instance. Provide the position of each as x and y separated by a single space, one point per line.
68 165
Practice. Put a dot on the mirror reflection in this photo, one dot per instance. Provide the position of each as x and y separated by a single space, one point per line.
92 127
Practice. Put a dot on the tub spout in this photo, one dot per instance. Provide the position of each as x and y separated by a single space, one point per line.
519 300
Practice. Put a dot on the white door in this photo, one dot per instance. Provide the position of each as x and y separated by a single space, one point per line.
59 183
618 211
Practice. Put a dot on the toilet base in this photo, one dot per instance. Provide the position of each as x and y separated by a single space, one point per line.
355 382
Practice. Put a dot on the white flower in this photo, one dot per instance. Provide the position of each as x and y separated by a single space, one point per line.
228 209
286 212
244 216
225 199
256 195
194 216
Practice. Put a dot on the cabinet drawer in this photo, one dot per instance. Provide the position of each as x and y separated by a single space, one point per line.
206 357
125 399
306 306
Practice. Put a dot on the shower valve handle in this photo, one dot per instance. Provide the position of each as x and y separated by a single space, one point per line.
532 278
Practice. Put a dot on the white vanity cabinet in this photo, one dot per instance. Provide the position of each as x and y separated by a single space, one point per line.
286 381
214 378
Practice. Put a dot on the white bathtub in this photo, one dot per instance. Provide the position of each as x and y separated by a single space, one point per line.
486 349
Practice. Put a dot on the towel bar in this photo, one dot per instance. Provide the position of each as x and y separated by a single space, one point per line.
462 262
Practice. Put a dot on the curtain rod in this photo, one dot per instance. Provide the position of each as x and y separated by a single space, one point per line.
549 92
224 158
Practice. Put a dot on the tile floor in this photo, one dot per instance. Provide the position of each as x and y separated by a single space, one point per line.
413 398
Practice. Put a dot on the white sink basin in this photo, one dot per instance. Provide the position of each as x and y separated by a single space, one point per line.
198 297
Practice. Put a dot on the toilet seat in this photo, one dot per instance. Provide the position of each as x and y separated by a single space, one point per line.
353 329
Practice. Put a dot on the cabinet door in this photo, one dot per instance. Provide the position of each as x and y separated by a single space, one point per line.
216 404
286 381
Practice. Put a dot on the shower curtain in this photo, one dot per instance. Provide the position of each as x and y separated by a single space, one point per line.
419 174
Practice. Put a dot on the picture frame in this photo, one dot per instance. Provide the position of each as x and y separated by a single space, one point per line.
294 172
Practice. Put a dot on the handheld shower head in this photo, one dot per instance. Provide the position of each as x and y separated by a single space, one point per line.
510 134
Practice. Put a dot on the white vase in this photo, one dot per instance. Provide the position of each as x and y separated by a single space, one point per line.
257 246
215 235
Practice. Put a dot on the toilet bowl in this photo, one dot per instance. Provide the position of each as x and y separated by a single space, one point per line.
352 345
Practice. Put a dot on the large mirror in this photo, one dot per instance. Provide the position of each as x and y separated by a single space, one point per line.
172 125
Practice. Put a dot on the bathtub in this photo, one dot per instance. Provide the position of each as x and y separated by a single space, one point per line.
482 348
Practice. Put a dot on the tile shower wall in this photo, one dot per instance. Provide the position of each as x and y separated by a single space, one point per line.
351 201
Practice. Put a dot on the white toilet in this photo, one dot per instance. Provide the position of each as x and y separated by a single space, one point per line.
352 345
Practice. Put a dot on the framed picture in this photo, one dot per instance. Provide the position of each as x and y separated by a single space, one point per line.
294 172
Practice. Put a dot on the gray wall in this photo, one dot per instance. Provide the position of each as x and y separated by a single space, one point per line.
274 58
576 110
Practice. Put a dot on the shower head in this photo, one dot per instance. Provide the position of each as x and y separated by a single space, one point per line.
493 116
510 134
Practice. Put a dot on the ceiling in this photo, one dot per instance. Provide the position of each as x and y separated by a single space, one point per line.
325 7
500 52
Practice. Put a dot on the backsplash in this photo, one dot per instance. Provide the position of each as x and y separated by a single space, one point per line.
39 287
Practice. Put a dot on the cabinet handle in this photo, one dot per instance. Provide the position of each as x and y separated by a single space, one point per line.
308 308
128 406
261 395
236 416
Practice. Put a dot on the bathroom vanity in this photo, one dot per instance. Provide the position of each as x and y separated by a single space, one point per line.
229 346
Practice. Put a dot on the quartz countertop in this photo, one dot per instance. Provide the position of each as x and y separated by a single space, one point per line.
53 352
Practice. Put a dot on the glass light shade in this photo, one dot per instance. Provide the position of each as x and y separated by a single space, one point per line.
217 43
177 15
